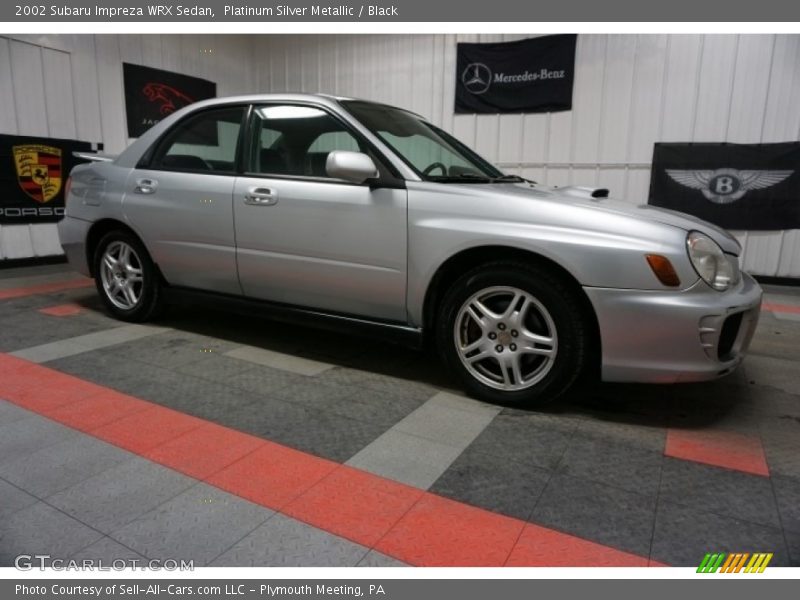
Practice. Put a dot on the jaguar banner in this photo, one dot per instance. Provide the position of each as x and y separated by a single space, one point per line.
736 186
152 94
33 172
527 76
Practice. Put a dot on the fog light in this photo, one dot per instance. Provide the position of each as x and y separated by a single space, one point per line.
663 269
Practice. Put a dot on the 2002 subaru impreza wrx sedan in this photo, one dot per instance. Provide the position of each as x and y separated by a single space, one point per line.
365 214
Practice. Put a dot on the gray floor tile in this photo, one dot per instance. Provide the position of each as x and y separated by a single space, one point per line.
197 525
21 438
380 383
683 535
41 529
596 512
121 494
215 367
284 542
279 360
729 493
264 380
622 466
439 421
13 499
503 486
402 457
646 437
106 550
787 494
378 559
62 465
793 540
10 412
514 437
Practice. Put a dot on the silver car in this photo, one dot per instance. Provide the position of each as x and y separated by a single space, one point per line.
367 216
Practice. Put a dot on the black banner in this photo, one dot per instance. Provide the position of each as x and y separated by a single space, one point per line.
533 75
33 172
736 186
152 94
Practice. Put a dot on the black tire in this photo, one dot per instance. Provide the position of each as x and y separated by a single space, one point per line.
149 303
566 313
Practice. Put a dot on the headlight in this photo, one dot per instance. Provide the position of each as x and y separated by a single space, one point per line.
710 262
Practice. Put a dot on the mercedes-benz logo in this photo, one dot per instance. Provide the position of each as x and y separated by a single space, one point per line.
477 78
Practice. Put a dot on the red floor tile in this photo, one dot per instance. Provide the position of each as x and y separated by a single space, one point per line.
355 505
204 451
726 449
272 476
45 288
442 532
147 429
62 310
782 308
98 410
542 547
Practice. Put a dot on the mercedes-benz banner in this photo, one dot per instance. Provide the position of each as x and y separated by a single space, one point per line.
527 76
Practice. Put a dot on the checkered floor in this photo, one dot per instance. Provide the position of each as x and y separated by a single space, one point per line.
237 441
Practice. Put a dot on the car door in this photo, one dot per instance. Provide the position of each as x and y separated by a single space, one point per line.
306 239
181 200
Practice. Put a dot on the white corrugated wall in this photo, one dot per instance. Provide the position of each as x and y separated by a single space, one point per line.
630 91
71 86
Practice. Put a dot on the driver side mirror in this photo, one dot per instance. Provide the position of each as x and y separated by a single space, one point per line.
355 167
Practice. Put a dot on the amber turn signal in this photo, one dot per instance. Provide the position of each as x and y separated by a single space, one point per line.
663 269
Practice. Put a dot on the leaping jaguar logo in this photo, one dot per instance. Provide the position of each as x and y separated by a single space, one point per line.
169 98
723 186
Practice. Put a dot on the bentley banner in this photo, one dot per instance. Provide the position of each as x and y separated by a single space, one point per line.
736 186
152 94
533 75
33 172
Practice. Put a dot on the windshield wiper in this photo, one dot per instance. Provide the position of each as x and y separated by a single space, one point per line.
511 179
462 178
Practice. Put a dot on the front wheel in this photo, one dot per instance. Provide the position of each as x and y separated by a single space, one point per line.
126 277
513 333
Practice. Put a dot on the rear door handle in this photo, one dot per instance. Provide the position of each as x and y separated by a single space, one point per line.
145 186
258 196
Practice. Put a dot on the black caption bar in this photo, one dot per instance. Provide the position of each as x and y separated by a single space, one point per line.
389 589
404 11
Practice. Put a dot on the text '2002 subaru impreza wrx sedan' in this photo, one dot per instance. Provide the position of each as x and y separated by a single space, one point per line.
366 215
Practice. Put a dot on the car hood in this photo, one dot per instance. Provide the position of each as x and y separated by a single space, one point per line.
582 197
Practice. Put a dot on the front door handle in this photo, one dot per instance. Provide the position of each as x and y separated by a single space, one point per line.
258 196
145 186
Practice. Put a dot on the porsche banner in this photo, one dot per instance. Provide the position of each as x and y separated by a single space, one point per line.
736 186
33 172
152 94
532 75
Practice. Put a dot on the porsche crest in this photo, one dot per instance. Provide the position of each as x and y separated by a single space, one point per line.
39 171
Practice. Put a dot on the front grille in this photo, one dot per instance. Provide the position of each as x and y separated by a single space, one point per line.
728 335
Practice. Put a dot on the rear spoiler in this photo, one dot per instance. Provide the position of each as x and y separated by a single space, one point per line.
94 156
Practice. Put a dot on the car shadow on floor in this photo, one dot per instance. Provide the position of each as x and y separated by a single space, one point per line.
722 403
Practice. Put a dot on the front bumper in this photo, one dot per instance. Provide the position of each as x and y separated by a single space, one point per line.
666 337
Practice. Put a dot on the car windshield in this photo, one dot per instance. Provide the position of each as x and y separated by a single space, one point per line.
432 153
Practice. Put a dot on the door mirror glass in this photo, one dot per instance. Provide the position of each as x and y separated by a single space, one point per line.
355 167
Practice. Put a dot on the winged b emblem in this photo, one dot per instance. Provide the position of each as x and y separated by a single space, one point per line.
723 186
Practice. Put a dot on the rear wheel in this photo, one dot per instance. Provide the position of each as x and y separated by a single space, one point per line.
126 277
513 333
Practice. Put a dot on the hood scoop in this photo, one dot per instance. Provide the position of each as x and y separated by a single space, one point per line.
583 192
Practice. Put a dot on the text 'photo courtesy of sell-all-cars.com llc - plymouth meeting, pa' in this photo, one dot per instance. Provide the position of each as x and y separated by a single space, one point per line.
366 216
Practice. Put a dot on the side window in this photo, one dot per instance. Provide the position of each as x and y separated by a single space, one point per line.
296 140
204 142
